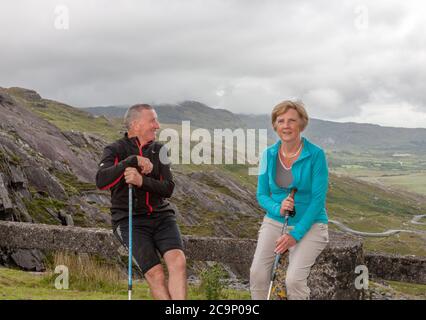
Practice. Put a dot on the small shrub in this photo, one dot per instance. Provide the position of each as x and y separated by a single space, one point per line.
211 282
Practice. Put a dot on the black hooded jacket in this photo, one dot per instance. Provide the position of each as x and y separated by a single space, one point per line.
156 186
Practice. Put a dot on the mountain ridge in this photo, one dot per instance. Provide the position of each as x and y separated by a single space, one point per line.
347 136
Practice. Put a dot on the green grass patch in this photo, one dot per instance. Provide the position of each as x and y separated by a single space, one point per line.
37 208
418 290
197 230
413 182
90 278
72 185
68 118
10 157
400 244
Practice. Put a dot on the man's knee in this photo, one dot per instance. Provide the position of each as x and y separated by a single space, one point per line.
155 276
175 260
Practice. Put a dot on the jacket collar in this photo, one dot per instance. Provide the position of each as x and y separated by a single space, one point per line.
305 150
135 140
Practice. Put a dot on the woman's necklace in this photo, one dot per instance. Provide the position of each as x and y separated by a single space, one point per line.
294 154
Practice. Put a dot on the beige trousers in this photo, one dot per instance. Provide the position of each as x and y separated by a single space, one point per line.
302 257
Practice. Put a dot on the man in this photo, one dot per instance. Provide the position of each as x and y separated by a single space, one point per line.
135 159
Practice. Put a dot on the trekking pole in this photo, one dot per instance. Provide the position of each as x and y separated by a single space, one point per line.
130 240
278 255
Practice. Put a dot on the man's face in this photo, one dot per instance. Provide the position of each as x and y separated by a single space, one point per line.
146 125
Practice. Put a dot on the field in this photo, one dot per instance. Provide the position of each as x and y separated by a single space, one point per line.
406 172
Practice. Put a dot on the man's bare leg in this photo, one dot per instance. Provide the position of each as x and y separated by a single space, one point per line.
157 283
176 266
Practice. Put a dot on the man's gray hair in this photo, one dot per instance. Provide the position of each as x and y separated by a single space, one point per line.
134 112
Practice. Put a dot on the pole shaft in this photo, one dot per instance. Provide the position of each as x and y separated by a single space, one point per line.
130 239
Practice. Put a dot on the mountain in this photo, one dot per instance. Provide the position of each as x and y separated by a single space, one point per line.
199 114
48 160
333 136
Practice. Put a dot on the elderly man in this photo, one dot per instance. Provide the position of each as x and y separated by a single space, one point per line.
135 159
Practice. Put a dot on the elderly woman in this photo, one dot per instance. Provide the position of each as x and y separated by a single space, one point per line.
292 162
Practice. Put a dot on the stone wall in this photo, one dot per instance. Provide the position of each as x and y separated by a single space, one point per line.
18 242
331 278
19 235
397 268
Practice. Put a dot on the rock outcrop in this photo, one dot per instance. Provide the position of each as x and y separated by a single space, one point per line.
333 275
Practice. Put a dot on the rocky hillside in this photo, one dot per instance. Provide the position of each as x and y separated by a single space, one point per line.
47 174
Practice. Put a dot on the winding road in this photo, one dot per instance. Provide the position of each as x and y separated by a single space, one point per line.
416 219
387 233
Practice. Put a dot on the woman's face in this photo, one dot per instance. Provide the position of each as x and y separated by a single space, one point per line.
288 125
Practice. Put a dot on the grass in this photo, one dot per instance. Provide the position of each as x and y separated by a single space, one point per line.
402 244
9 157
418 290
365 207
72 185
68 118
399 290
90 278
20 285
404 173
413 182
37 208
87 272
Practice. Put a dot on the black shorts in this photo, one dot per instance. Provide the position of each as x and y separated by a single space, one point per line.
153 236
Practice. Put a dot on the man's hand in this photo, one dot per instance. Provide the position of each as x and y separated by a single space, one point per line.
145 165
132 176
283 243
287 204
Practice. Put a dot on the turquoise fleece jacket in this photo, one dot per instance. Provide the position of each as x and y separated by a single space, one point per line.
310 177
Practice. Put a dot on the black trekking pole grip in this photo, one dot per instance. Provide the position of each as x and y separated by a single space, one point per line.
287 212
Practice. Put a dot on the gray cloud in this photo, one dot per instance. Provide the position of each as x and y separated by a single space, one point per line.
244 56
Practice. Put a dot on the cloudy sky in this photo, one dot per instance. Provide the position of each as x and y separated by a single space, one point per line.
362 61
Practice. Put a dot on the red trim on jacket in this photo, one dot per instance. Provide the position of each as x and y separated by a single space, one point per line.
147 193
116 181
147 203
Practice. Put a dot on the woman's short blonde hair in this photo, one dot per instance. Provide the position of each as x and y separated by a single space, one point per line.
284 106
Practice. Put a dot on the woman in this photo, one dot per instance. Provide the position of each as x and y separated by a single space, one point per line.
292 162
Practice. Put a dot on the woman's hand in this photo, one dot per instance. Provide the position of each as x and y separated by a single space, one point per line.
283 243
287 204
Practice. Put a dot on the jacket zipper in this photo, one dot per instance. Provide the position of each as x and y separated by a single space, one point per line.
147 193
